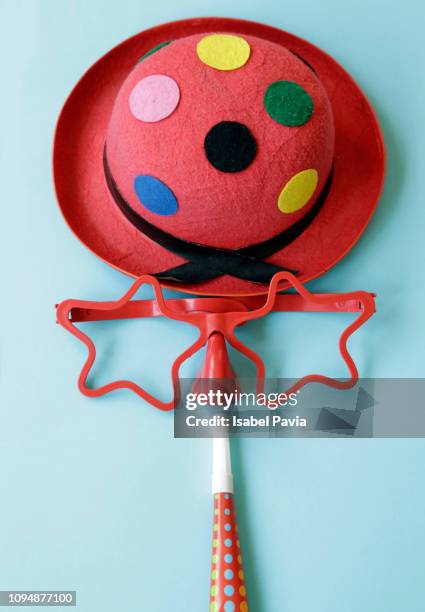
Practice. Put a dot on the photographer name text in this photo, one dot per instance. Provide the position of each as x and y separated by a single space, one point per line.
270 420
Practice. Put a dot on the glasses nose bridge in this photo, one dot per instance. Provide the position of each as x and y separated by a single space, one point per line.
216 322
223 323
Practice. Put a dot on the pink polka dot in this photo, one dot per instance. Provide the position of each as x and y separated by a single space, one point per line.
154 98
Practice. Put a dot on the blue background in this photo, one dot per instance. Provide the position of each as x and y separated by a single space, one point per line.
97 495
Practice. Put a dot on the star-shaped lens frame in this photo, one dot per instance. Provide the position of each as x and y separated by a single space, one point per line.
214 315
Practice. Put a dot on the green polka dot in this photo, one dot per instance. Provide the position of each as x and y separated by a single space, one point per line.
215 527
214 590
216 511
288 103
215 558
154 50
214 574
214 607
215 543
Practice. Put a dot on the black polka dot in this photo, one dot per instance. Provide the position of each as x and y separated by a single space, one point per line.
230 146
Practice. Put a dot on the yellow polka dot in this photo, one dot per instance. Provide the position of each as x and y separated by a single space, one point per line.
216 512
238 544
223 51
298 190
242 591
244 607
215 558
241 575
214 590
214 574
215 543
239 560
214 607
215 527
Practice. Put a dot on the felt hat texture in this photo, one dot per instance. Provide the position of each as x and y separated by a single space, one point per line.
215 152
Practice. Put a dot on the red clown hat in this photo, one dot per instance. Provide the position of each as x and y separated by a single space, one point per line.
215 152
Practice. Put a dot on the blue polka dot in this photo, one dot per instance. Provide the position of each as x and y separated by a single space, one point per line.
227 526
229 590
229 606
155 195
226 496
227 542
228 574
227 511
228 558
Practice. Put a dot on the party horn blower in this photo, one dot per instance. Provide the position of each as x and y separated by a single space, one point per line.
228 591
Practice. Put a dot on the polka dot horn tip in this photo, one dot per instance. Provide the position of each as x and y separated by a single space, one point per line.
228 592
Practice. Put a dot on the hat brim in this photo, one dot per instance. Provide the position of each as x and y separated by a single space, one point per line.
359 164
